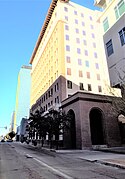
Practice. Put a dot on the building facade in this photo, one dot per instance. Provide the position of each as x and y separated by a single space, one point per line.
22 95
23 132
113 20
12 126
69 56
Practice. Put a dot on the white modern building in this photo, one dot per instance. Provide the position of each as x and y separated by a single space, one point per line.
113 21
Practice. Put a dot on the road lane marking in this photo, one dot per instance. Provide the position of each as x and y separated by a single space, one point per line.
53 169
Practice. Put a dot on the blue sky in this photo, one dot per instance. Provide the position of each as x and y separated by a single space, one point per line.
20 24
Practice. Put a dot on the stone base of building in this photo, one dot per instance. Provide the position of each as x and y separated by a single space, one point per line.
94 122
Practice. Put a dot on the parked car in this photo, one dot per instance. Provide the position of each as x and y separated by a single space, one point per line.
9 140
2 140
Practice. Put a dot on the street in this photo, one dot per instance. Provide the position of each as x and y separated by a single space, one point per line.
22 161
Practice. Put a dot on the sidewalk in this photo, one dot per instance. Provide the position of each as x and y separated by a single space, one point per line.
118 159
114 156
118 150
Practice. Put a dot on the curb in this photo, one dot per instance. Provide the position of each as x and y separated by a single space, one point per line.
111 164
117 151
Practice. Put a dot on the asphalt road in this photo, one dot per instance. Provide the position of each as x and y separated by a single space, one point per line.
22 161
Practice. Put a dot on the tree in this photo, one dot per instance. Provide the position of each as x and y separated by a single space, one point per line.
57 122
118 105
52 123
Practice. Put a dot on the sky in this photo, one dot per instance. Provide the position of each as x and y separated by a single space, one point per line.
20 25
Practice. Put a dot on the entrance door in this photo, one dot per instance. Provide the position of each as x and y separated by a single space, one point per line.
96 127
72 129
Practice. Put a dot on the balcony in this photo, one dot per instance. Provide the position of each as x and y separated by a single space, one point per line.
99 3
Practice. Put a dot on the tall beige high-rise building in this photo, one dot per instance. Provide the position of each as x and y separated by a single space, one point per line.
12 126
113 22
69 55
22 104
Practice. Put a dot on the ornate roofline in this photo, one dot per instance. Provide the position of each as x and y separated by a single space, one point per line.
45 25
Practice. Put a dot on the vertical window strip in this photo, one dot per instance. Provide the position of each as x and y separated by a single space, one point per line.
119 9
105 24
109 47
122 36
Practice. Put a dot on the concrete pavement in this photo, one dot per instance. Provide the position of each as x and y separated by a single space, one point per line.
114 157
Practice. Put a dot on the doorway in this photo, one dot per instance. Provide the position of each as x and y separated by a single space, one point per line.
96 127
72 129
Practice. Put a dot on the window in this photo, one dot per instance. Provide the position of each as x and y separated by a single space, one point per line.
49 94
89 87
68 59
58 99
88 75
46 96
84 42
119 9
77 40
78 50
94 44
68 71
105 24
93 35
51 79
98 76
76 21
51 91
96 65
77 31
83 23
67 48
67 37
69 84
81 87
80 73
91 26
95 55
99 89
87 63
65 9
57 86
66 27
79 62
66 18
86 52
109 48
83 32
122 36
90 17
82 15
75 12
